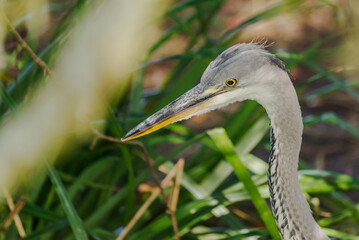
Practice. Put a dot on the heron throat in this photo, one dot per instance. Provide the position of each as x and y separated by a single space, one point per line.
289 206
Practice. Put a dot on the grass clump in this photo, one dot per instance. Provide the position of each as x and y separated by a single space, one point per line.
97 188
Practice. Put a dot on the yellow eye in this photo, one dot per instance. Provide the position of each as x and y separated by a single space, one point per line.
231 82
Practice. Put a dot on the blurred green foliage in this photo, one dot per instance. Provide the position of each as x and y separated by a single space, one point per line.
94 192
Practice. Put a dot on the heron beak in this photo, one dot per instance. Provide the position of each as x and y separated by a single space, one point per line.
187 105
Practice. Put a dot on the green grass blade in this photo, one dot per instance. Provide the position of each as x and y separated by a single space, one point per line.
246 234
237 124
46 230
317 184
118 133
332 78
6 98
40 212
199 192
187 216
101 212
339 234
332 118
185 4
136 107
249 141
252 137
270 12
329 3
72 216
335 219
101 234
225 146
90 173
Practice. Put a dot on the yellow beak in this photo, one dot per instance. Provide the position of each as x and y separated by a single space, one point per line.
184 107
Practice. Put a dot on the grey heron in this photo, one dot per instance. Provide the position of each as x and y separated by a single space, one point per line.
248 71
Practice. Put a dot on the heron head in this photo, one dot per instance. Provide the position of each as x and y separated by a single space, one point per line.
243 71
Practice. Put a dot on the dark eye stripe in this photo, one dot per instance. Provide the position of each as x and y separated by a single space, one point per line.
231 82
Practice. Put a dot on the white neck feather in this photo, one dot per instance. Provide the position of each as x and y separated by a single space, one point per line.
290 208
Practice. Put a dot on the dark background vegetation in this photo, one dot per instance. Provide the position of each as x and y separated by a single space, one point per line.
107 182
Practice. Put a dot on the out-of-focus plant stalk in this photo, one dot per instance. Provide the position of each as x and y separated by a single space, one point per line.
349 52
2 36
93 67
34 13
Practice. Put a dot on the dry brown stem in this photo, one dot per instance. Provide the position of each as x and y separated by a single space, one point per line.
99 135
23 43
176 188
18 223
13 214
246 217
165 183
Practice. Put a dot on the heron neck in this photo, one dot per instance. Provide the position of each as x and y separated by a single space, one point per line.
290 208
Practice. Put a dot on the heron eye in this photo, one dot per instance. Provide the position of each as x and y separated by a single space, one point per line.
231 82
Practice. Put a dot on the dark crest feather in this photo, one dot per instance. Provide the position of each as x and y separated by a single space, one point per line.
281 65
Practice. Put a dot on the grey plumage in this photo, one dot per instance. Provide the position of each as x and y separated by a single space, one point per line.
262 77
